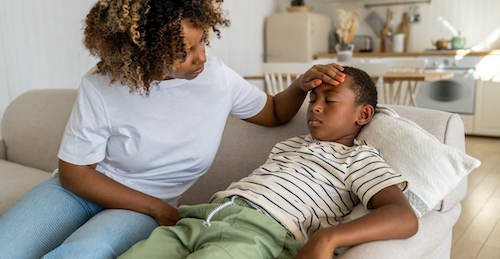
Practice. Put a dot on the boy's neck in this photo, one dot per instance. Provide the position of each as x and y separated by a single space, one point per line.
349 142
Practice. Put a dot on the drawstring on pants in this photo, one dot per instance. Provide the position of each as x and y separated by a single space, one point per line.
206 223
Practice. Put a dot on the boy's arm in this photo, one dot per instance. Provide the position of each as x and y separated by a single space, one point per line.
392 218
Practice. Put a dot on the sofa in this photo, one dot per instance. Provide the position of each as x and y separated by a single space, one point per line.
33 124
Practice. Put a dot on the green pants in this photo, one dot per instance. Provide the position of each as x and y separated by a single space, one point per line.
236 232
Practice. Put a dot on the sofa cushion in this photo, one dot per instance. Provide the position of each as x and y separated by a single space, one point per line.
235 161
16 181
2 150
33 125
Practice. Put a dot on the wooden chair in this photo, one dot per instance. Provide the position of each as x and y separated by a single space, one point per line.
279 76
401 92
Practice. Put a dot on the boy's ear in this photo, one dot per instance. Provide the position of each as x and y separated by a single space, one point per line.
365 114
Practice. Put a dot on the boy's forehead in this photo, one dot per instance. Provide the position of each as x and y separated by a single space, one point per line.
324 87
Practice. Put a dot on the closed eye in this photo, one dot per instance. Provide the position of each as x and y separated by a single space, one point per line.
312 96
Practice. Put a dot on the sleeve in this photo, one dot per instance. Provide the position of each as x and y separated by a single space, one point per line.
368 173
247 99
86 134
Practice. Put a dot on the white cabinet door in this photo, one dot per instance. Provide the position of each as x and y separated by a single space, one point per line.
487 108
468 121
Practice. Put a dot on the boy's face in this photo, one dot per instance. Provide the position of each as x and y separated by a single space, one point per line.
332 114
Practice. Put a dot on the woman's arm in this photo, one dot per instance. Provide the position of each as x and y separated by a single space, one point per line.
281 108
96 187
392 218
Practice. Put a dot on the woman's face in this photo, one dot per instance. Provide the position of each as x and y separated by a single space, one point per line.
196 58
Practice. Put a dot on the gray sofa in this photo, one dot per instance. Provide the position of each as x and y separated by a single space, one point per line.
33 125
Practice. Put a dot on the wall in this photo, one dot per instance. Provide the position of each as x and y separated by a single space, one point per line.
41 43
242 44
477 20
41 46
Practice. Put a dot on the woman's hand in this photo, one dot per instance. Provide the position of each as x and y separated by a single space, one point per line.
166 215
281 108
318 74
96 187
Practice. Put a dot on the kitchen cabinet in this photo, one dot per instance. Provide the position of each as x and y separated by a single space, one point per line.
308 32
487 103
486 121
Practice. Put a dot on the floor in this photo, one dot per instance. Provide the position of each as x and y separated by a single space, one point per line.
477 232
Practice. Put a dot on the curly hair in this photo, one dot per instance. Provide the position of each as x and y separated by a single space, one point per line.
139 41
362 86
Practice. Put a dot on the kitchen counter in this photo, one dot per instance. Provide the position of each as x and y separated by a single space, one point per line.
389 76
414 54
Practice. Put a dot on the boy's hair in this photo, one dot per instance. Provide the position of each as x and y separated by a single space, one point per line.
138 40
363 87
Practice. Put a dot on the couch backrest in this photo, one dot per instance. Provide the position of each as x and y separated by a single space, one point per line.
33 125
234 161
244 147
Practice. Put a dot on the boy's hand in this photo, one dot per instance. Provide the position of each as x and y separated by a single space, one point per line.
319 246
319 74
392 218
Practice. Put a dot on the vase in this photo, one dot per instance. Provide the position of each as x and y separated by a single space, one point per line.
344 51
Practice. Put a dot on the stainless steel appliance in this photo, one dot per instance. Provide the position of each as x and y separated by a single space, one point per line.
362 43
456 94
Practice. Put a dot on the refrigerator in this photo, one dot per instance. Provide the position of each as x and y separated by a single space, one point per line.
296 36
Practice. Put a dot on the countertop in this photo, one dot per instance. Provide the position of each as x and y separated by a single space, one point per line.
413 54
390 76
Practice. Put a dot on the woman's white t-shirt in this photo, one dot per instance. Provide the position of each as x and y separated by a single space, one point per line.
161 144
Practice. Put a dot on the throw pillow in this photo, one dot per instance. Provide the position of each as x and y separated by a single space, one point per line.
432 168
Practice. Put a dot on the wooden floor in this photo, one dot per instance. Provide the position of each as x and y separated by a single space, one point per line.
477 232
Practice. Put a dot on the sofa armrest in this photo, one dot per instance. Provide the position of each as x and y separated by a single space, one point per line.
33 125
455 136
2 150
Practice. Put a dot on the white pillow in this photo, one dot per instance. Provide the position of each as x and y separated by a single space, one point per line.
432 168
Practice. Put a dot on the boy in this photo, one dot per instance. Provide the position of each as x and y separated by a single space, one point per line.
298 198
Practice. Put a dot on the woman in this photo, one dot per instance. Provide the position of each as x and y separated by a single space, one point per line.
146 124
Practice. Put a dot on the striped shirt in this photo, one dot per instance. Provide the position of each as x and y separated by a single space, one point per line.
307 184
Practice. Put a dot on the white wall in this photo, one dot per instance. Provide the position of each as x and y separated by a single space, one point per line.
40 40
41 46
41 43
241 45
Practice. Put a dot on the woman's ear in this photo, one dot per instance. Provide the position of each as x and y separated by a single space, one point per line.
365 114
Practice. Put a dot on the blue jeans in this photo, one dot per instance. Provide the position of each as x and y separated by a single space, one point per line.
52 222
